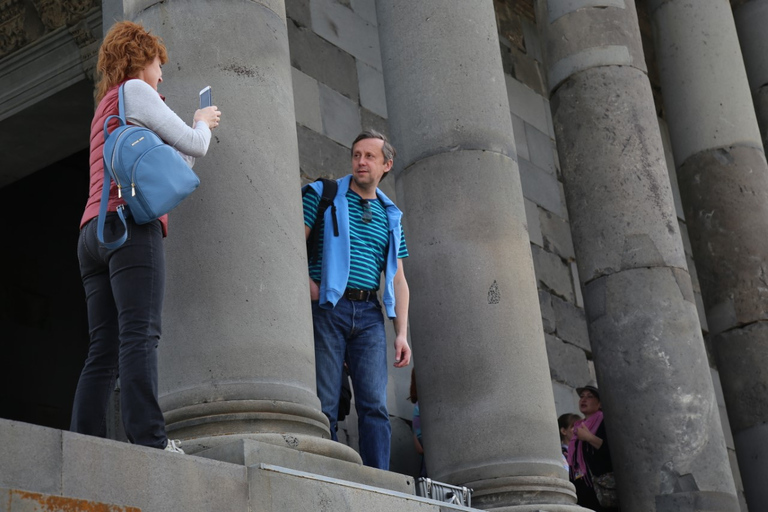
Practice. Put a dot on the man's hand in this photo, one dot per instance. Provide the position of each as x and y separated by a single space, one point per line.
314 290
402 352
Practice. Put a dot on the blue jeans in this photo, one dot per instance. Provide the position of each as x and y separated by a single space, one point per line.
124 291
355 330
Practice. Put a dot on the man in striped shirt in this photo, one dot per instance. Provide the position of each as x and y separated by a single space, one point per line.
344 277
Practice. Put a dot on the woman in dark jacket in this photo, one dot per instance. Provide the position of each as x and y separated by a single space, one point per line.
588 453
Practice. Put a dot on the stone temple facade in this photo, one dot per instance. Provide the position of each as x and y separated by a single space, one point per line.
585 192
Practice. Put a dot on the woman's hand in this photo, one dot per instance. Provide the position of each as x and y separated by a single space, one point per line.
209 115
585 435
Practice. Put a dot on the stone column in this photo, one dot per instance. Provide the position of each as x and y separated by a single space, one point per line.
661 414
486 398
723 180
236 356
751 18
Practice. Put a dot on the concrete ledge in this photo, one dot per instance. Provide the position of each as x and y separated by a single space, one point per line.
250 453
279 489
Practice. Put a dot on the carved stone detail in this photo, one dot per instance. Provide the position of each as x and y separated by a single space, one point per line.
12 36
58 13
89 46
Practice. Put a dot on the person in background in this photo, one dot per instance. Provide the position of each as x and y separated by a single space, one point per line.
588 453
124 287
417 442
565 426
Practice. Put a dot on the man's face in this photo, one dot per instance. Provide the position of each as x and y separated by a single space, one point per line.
368 165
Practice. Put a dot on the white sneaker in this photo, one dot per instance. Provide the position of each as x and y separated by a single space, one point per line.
174 446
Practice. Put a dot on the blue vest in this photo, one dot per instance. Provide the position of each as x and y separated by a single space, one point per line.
335 272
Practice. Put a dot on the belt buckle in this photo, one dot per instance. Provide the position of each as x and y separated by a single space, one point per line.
358 295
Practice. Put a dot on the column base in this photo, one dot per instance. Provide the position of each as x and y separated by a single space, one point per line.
279 423
524 493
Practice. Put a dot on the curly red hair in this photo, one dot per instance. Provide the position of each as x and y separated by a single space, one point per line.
127 49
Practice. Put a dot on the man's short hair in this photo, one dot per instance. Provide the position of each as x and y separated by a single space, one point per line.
387 148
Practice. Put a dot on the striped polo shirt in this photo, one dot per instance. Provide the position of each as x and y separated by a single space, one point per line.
369 241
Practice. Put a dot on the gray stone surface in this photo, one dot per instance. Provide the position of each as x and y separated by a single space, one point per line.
726 204
248 453
749 441
552 273
646 348
372 94
30 457
548 318
571 324
532 221
525 103
344 28
566 399
761 108
579 297
341 116
541 187
150 479
685 66
298 12
669 158
521 143
532 41
701 311
556 233
542 149
559 8
724 421
432 103
592 37
567 363
323 61
743 364
751 17
275 489
366 9
370 119
319 156
617 188
306 98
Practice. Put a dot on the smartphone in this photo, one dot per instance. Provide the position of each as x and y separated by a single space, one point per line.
206 99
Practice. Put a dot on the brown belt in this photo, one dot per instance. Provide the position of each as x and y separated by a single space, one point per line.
352 294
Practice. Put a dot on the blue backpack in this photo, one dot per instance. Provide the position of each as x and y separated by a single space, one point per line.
150 175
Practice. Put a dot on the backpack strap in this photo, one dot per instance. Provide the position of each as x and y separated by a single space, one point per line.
107 183
103 215
330 187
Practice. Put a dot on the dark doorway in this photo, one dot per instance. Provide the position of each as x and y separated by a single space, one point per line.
43 322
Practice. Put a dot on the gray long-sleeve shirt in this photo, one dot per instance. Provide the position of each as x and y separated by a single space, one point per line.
144 107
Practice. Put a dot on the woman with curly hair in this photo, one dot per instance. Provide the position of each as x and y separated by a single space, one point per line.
124 287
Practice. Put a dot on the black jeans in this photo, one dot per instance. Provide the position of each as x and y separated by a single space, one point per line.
124 291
